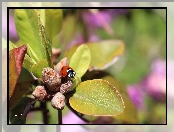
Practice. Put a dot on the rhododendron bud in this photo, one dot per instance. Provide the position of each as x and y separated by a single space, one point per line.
51 78
58 101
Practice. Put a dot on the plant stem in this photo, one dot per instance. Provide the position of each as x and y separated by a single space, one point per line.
59 117
44 112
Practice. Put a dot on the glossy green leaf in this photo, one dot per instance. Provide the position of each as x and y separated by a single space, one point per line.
53 24
37 68
28 62
42 15
31 32
120 86
130 113
27 25
76 81
80 60
47 49
97 97
32 54
103 53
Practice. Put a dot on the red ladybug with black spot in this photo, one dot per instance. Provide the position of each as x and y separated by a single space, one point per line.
67 71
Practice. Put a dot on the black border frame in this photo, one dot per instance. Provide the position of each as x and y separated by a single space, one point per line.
8 8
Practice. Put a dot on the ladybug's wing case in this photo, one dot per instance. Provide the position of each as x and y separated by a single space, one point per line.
67 71
63 71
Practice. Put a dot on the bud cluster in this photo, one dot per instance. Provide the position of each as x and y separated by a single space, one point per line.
55 86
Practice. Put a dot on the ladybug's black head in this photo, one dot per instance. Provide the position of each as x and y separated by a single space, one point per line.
71 73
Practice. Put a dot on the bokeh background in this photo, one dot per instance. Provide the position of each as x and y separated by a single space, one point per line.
142 68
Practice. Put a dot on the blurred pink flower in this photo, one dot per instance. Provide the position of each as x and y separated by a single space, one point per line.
71 118
94 19
100 19
137 95
155 82
153 85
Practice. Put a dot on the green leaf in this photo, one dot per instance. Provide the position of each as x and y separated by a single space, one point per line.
97 97
47 49
32 54
130 112
28 62
42 15
76 81
80 60
53 24
27 25
103 53
37 68
32 33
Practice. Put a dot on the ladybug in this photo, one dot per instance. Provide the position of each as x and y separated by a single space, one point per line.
67 71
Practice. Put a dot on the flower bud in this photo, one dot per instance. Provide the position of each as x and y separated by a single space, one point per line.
58 101
51 78
63 62
66 87
40 93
